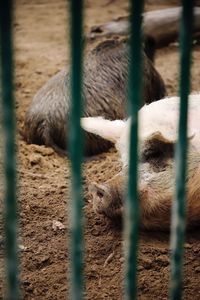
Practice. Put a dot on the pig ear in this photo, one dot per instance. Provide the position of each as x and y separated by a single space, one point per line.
156 145
158 136
159 146
109 130
168 135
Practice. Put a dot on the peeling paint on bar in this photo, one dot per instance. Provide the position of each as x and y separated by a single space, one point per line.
178 211
75 141
7 93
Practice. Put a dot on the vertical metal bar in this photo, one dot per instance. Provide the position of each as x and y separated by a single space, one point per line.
134 96
75 141
7 86
178 211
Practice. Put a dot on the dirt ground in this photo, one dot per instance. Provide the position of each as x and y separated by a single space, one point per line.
41 50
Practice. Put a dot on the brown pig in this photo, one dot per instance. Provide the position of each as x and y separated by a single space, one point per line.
105 77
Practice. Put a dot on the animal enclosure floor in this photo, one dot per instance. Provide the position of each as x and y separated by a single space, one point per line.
41 50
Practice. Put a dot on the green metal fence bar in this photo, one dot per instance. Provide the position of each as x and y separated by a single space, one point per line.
10 163
75 141
178 213
134 96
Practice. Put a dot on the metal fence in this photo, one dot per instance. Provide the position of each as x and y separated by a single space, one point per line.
134 95
8 119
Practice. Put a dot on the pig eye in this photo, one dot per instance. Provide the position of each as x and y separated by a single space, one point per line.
100 194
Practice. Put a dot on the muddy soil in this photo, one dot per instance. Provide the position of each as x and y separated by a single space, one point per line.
41 50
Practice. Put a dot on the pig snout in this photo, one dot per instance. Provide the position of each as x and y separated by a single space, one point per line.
106 199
